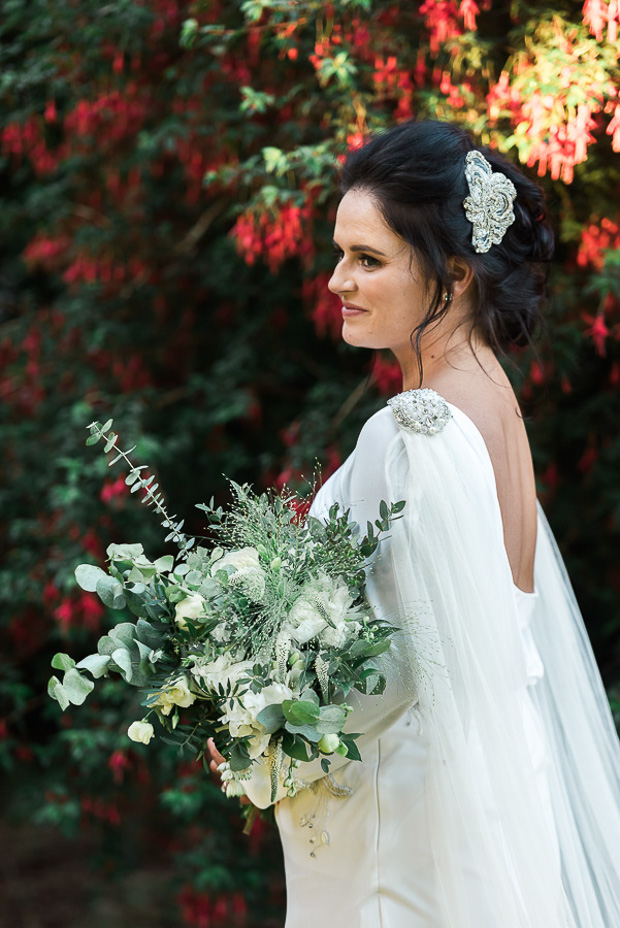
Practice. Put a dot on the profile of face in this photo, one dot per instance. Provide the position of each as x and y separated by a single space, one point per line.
380 284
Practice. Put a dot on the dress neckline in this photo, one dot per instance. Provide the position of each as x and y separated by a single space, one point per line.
531 594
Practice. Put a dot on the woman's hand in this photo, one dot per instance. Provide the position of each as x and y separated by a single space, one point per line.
214 763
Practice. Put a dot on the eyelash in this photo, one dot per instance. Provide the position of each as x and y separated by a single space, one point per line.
373 262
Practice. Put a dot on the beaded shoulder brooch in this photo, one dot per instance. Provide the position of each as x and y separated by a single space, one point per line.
423 411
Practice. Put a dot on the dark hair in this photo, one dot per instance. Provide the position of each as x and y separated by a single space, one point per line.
416 173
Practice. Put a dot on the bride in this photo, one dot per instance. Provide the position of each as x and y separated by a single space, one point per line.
488 795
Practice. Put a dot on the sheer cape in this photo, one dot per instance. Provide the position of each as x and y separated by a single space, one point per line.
511 848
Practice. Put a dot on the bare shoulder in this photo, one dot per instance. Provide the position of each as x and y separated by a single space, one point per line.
489 401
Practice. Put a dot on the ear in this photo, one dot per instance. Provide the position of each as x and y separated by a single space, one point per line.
462 276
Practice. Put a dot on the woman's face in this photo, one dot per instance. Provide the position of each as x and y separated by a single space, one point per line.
380 285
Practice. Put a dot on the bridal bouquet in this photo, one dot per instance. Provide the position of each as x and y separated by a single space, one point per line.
256 640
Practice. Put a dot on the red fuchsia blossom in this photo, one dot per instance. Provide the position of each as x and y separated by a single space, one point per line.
598 331
387 375
99 809
613 128
46 252
598 14
325 307
441 21
118 762
83 610
597 239
274 237
112 490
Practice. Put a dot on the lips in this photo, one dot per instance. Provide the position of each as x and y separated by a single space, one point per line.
350 309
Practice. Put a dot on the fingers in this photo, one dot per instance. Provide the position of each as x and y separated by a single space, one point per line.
216 757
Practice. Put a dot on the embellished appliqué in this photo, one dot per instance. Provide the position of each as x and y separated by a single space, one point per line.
423 411
489 204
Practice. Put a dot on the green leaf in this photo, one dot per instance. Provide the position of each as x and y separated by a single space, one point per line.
88 575
97 664
399 506
110 592
164 564
62 662
354 753
76 687
122 659
271 718
308 731
107 425
239 757
300 712
295 746
56 691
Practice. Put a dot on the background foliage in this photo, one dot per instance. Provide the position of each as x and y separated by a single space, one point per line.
168 173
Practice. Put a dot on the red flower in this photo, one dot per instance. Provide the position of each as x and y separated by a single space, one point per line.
598 331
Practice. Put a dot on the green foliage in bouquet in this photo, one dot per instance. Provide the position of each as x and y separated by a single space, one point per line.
256 641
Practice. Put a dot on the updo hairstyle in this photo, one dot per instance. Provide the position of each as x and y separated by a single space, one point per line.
416 174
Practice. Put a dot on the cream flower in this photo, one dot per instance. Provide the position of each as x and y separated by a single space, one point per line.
247 571
219 672
242 717
141 732
178 694
306 621
192 607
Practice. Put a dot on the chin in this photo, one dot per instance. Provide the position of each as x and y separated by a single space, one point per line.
359 340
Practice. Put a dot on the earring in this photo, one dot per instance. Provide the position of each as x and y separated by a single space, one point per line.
448 297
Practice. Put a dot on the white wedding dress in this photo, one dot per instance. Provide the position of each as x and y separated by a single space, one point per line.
488 795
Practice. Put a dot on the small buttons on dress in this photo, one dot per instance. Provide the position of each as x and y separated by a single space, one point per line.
423 411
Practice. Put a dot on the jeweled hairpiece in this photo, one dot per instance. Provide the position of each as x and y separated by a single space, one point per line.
489 204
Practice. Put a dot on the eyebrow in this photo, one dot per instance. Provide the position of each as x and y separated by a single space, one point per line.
363 248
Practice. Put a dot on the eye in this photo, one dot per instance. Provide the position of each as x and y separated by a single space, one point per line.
338 252
368 261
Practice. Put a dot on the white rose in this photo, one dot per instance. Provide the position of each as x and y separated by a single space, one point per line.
141 731
192 607
178 694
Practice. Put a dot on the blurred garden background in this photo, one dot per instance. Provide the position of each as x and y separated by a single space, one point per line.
168 175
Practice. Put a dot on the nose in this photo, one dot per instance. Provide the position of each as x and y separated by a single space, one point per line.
341 280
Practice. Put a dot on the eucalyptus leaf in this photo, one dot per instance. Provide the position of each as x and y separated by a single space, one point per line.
62 662
76 687
110 592
88 575
97 664
307 731
56 691
122 659
271 718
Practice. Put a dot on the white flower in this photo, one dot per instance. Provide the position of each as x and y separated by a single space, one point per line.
323 597
337 637
219 672
141 731
178 694
329 743
192 607
247 571
241 719
306 621
242 559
